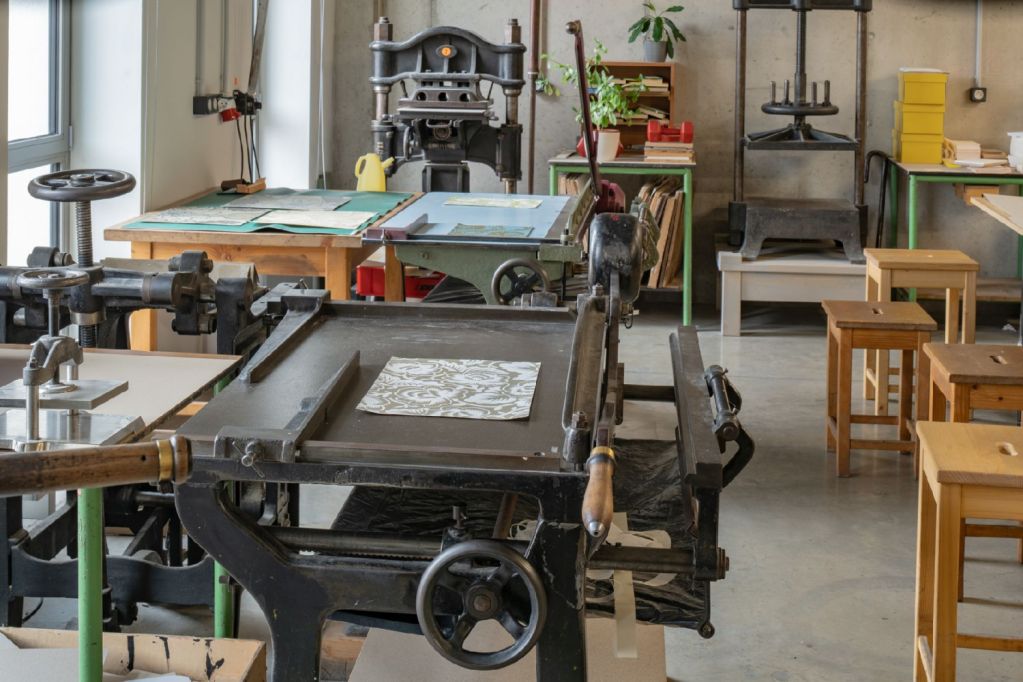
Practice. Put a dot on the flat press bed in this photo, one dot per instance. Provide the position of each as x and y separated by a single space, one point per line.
291 418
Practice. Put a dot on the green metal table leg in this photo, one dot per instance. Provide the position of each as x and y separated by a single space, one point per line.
223 591
552 180
893 199
911 226
687 248
90 585
1019 243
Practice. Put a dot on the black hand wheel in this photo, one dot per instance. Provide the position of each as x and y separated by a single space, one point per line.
81 185
51 278
517 277
475 581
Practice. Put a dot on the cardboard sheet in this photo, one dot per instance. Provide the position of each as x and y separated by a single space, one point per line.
335 220
468 389
187 215
296 200
493 202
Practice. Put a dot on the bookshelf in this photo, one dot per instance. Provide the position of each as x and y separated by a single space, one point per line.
635 133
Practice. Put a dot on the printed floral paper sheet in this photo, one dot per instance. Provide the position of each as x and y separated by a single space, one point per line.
468 389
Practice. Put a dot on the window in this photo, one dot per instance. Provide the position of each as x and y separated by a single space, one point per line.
38 133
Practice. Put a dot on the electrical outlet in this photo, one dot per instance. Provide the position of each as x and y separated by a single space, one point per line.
204 105
978 95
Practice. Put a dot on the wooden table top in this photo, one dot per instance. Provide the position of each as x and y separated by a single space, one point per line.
977 363
941 169
972 454
893 315
921 259
624 160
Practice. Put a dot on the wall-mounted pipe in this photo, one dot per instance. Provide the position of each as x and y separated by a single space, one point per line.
200 44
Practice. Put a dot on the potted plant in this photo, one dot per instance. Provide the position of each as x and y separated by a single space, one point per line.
610 100
659 32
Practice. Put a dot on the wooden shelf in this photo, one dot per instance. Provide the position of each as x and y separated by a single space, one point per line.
635 133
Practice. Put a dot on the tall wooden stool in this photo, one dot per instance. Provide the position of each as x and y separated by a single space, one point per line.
967 471
976 377
873 326
951 270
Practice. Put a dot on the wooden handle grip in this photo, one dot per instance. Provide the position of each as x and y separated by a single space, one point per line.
598 500
94 467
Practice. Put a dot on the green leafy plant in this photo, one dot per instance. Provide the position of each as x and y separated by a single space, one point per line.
657 27
610 100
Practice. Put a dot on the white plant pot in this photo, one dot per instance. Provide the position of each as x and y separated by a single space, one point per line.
607 145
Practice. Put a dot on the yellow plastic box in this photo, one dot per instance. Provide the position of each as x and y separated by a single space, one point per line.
918 87
919 119
910 148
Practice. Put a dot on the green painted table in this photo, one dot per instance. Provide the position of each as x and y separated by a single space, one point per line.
937 174
635 164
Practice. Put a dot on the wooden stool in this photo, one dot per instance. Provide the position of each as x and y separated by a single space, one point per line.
976 377
873 326
967 471
888 269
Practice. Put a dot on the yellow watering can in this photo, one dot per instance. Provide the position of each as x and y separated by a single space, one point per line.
369 169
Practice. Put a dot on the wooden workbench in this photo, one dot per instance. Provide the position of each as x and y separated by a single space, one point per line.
333 257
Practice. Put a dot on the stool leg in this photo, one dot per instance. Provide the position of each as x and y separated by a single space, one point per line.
829 443
869 357
960 411
924 623
844 401
962 558
951 316
906 396
884 293
970 308
937 402
946 582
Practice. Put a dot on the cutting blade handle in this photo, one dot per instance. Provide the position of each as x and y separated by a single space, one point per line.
39 471
598 500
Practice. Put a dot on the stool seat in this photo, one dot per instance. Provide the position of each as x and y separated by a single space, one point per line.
977 364
921 259
898 315
973 454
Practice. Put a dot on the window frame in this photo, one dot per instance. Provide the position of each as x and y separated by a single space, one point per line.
53 149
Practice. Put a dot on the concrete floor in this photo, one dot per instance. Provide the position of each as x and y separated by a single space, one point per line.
821 586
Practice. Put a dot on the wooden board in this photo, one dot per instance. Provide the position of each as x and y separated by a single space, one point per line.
159 384
1004 208
896 315
924 259
978 364
972 454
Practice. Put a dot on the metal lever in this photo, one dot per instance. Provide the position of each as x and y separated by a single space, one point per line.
598 500
23 473
726 403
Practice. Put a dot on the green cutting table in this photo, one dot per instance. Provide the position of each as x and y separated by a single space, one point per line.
635 164
916 174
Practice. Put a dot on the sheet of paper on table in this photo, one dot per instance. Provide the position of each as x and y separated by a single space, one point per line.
282 198
468 389
496 231
494 202
1008 206
331 219
187 215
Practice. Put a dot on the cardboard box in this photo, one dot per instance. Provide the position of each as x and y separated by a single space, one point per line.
968 192
200 658
910 148
926 119
922 87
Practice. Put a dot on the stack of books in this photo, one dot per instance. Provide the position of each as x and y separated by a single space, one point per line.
653 85
680 152
664 199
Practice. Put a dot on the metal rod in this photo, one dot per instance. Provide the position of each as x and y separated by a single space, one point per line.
800 76
738 170
505 515
31 414
534 73
861 105
90 585
357 544
575 28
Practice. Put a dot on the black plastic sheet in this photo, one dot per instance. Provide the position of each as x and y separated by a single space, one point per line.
648 487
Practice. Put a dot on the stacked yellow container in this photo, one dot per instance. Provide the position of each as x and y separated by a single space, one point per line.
919 116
